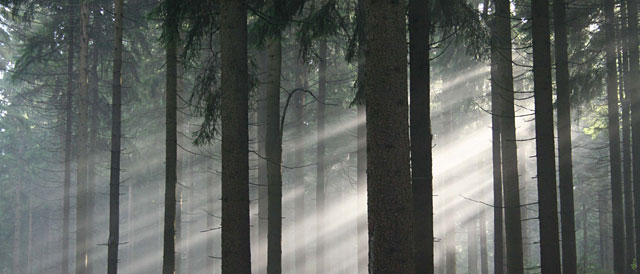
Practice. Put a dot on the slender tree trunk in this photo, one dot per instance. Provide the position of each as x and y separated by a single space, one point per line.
472 246
66 208
484 262
603 231
388 175
420 131
569 260
322 266
634 104
545 151
210 206
299 210
30 261
172 34
116 124
584 237
16 255
131 227
504 85
274 157
362 154
498 210
614 141
82 226
263 196
524 211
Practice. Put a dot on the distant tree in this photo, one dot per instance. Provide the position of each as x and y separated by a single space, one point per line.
634 101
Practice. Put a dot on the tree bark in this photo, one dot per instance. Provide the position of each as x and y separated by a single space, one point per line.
299 193
263 199
569 259
421 138
545 151
82 226
614 141
484 262
274 157
67 139
363 246
634 103
169 242
388 179
236 250
116 125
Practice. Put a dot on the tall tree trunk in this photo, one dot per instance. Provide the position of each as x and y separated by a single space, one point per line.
263 195
603 230
584 237
484 262
131 228
322 265
82 226
504 85
569 260
298 108
116 124
524 211
30 261
498 209
388 176
634 104
210 206
614 141
172 36
362 153
420 131
274 156
68 135
545 151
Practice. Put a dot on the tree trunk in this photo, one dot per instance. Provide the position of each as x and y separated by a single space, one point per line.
484 262
16 255
131 227
172 36
545 151
498 210
362 154
388 176
614 141
236 250
210 206
420 131
298 108
82 226
30 261
603 229
263 199
569 260
116 125
472 246
67 139
504 85
274 157
634 102
322 265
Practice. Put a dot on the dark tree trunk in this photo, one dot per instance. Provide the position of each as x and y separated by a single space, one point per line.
116 125
172 36
322 265
634 104
498 209
388 176
614 141
82 226
569 260
504 87
68 135
274 156
420 131
236 250
545 151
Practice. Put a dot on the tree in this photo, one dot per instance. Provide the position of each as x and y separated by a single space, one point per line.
67 136
569 258
299 212
171 36
116 124
614 141
236 254
389 191
420 133
322 265
545 151
634 101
